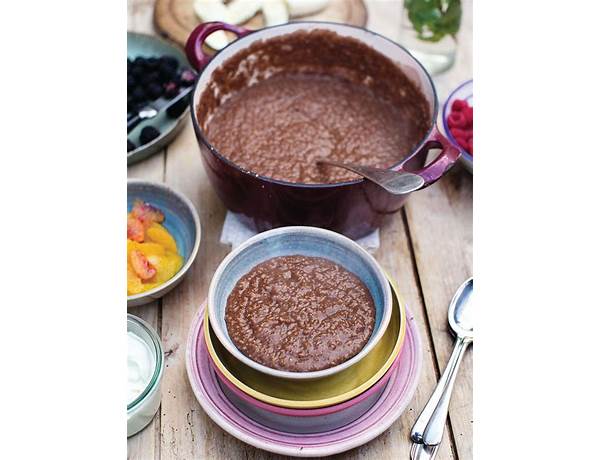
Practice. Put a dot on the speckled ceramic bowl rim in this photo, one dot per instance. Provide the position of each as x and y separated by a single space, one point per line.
190 260
466 156
319 233
318 403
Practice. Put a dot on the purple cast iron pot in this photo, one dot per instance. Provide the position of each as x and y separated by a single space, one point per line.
353 208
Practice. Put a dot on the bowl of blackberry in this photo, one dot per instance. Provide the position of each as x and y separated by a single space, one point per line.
159 81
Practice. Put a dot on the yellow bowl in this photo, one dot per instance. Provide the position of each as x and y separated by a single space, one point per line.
322 392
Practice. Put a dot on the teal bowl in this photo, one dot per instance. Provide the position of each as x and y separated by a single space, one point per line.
147 46
182 222
307 241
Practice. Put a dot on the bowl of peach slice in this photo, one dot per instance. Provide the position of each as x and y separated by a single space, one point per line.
163 237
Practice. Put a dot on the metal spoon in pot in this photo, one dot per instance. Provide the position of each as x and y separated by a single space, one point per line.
429 427
395 182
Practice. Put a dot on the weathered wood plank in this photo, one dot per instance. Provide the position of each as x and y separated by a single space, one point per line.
440 224
396 258
186 430
146 444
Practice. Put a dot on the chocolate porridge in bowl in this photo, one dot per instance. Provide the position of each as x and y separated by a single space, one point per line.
299 313
282 103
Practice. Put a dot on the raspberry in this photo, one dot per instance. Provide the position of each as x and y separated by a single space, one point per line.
459 105
457 120
460 123
468 113
458 133
463 143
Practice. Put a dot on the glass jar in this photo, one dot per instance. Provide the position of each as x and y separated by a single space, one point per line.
429 30
142 409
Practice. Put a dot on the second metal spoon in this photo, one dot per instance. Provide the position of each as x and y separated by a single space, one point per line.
395 182
429 427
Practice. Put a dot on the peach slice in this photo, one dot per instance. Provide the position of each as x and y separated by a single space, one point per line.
158 234
135 229
146 213
141 266
134 283
148 249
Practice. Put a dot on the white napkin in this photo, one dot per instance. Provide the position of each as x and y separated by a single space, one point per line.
235 233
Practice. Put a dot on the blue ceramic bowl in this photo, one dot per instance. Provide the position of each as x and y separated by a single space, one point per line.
307 241
182 222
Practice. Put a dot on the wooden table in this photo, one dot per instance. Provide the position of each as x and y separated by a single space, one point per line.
427 248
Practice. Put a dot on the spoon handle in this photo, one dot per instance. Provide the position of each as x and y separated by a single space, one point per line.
430 423
395 182
423 452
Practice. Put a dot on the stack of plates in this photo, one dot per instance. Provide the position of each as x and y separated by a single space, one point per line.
258 423
312 413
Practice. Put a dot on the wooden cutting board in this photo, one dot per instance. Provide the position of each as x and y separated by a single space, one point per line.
175 19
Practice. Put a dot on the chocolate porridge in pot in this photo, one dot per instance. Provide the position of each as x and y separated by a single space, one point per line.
300 314
277 106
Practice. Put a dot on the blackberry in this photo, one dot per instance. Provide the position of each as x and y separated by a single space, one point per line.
139 62
170 61
154 90
149 133
152 63
171 90
187 78
138 94
149 78
166 72
178 108
130 146
131 105
137 72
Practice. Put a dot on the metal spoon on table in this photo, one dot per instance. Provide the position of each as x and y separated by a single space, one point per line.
429 427
395 182
423 452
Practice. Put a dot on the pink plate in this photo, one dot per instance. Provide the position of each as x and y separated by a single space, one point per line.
375 421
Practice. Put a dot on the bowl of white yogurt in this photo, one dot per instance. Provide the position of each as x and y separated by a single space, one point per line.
145 366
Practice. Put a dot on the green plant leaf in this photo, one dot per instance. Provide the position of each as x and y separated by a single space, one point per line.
434 19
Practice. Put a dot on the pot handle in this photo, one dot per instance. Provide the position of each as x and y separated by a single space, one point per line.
438 167
193 47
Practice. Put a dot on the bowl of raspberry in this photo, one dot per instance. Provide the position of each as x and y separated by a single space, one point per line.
458 121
